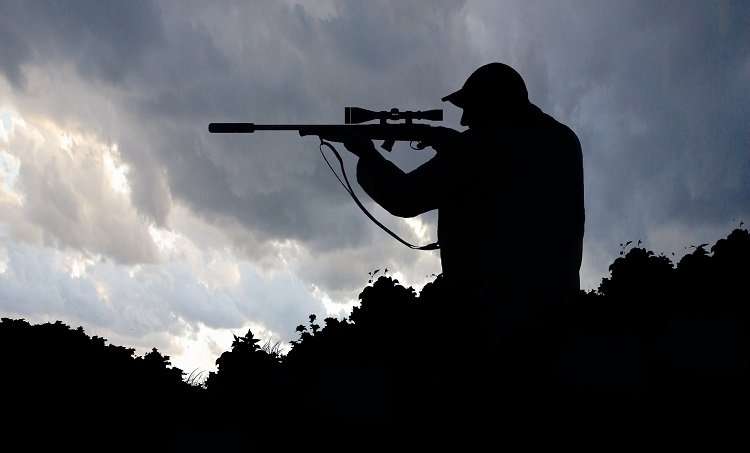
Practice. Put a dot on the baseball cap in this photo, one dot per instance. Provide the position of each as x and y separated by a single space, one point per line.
493 82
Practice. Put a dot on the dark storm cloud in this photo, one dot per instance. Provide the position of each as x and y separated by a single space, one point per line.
103 39
656 91
260 61
679 143
302 70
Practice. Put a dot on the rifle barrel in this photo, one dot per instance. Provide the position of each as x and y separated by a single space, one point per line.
249 128
231 128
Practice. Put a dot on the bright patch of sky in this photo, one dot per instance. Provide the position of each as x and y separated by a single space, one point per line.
189 302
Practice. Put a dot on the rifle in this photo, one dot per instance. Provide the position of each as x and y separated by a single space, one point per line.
352 127
424 134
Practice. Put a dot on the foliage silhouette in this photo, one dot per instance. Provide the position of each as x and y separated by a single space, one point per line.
654 338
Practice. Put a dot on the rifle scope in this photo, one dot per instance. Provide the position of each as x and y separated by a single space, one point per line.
357 115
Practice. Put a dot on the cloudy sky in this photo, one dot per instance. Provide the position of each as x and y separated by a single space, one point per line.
120 213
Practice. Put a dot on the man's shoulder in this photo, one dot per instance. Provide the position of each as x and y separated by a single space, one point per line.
557 130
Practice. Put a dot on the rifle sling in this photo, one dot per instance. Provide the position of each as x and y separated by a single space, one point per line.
348 187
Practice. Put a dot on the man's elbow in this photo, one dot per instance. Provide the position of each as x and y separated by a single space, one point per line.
404 210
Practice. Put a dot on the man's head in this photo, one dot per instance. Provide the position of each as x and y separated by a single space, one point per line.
494 92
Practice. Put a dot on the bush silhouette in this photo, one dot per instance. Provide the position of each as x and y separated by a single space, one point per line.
671 338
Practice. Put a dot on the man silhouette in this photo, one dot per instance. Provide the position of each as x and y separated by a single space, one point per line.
509 195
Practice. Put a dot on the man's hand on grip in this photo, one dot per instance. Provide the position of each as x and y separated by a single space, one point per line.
441 139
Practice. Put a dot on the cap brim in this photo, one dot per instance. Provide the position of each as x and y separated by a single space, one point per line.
456 98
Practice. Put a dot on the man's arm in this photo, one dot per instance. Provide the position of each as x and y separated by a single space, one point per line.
402 194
